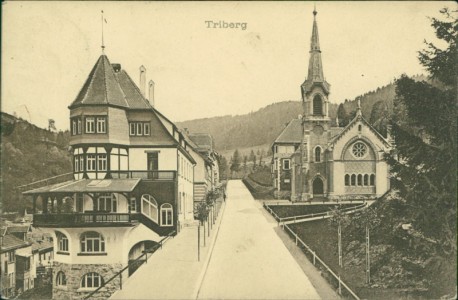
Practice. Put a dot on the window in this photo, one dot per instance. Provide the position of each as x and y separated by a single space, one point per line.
347 179
146 129
166 214
74 129
90 166
133 204
353 179
79 126
359 150
360 179
90 125
139 128
61 279
11 256
317 105
102 162
92 242
77 163
107 202
91 280
101 125
318 154
372 178
149 207
366 180
62 242
286 164
81 163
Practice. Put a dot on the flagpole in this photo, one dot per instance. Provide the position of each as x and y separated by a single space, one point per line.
103 44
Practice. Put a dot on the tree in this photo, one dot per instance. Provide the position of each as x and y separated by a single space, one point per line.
245 158
235 165
342 115
222 165
252 156
425 130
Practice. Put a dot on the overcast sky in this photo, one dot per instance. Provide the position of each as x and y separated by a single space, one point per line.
49 48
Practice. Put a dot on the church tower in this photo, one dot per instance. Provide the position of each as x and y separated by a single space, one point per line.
316 122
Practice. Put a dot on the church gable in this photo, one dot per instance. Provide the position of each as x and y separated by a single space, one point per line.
344 148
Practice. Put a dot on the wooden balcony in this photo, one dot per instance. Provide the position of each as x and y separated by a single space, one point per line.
86 219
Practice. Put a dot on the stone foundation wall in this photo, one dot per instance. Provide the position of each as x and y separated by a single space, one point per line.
74 274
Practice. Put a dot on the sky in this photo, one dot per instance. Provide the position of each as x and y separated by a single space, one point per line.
49 48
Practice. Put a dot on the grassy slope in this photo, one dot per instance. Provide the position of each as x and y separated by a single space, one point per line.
403 264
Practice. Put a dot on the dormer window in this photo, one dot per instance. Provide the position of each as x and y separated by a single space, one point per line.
101 125
139 128
76 125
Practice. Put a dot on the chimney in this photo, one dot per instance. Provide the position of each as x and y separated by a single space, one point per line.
151 92
142 80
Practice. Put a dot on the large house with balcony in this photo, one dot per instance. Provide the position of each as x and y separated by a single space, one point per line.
322 161
133 183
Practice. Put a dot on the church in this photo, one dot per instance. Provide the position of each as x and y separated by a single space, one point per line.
318 161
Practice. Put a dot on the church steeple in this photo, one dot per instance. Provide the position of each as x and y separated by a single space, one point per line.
315 72
315 89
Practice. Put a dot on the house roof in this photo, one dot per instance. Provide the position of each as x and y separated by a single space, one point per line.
106 86
292 134
10 242
203 141
89 186
17 229
41 245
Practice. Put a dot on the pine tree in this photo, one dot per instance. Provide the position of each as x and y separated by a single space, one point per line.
425 131
235 165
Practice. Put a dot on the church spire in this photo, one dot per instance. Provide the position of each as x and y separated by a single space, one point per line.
315 72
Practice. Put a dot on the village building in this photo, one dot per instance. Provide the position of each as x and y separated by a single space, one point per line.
315 160
206 173
18 267
133 183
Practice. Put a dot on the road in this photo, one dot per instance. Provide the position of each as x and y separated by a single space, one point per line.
249 261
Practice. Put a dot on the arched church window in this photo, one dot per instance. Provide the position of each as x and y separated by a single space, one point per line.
317 105
366 179
360 179
353 179
318 154
347 179
372 179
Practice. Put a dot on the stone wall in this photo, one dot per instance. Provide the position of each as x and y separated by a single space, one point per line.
74 274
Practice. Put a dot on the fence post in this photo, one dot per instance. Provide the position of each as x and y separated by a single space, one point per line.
314 256
296 238
146 255
340 286
120 281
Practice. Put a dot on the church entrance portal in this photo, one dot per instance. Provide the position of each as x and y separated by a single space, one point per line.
318 187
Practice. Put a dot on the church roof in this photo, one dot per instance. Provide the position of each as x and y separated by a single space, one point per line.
108 84
352 123
292 134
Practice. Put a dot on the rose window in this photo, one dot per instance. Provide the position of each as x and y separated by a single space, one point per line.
359 150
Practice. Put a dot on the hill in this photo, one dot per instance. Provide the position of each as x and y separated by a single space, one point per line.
260 128
28 154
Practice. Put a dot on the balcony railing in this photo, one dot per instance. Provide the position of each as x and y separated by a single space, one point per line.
87 218
146 175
